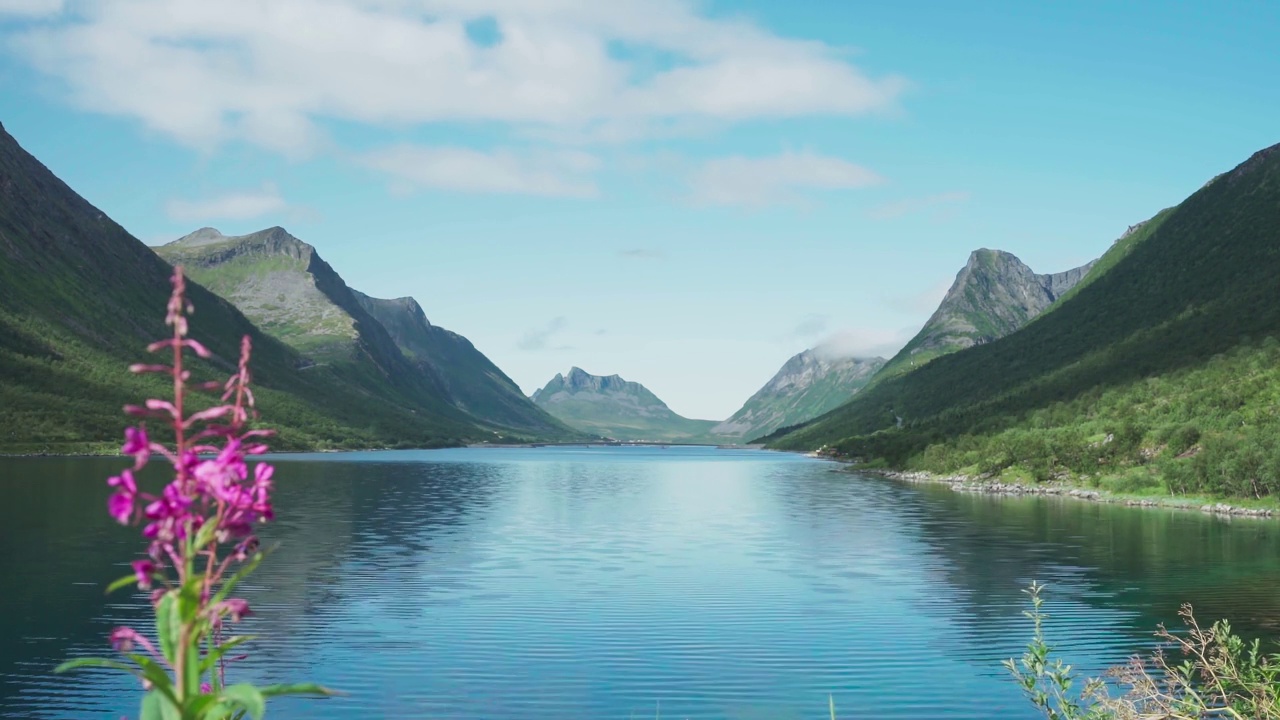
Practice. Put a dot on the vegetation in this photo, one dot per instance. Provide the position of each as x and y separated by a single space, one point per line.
1156 373
201 542
993 295
808 385
77 293
1218 675
618 409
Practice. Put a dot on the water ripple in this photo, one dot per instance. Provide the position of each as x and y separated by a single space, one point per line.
604 583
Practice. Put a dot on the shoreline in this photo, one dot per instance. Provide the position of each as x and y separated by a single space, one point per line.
981 486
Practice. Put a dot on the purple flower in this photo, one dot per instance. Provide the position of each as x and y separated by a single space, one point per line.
124 639
235 607
143 570
121 503
137 445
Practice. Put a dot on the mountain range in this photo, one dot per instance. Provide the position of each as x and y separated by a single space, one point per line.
993 295
283 285
808 385
1157 369
1156 364
80 298
617 409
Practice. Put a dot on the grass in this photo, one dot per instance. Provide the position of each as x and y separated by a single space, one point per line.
1168 349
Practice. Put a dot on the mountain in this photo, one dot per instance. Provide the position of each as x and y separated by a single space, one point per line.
283 285
615 408
808 385
79 299
993 295
1160 368
470 380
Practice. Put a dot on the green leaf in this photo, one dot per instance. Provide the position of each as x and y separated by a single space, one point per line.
191 670
205 535
219 711
247 697
122 582
189 598
169 626
198 706
153 672
94 662
156 706
311 689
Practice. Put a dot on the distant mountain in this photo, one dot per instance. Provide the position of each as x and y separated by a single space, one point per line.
1160 369
615 408
808 385
284 286
993 295
80 297
470 380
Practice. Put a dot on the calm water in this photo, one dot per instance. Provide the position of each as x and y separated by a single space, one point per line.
598 583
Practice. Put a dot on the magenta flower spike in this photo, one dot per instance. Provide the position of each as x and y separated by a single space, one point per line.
199 529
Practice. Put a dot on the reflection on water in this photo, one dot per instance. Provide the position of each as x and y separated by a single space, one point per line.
554 583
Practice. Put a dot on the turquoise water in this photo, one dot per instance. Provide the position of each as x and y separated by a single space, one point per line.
606 582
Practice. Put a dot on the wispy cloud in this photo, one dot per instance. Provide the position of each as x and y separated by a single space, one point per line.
642 254
540 338
779 179
811 325
565 173
238 205
913 206
925 301
208 72
31 8
864 342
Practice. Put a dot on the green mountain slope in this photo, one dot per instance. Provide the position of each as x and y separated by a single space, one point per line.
618 409
470 380
283 285
1157 368
80 297
993 295
807 385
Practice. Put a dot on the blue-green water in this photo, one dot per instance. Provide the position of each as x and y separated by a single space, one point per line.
599 583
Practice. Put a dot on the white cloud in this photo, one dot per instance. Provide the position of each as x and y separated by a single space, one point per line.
780 179
864 342
238 205
545 173
911 206
30 8
540 338
205 72
810 325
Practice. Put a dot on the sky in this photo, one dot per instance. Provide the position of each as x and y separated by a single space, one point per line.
683 193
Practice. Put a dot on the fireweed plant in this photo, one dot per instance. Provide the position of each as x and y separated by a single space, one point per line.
201 541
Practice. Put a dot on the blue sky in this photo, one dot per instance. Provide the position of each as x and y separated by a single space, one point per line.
683 193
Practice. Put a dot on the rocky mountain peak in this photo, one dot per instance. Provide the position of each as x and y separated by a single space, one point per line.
578 380
994 294
203 236
210 246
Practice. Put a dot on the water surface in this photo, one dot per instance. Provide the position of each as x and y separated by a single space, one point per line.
604 582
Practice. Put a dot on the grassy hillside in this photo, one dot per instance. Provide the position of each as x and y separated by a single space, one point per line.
469 379
993 295
611 407
79 299
808 385
1155 369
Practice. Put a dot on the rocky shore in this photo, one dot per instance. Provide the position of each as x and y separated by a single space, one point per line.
986 486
